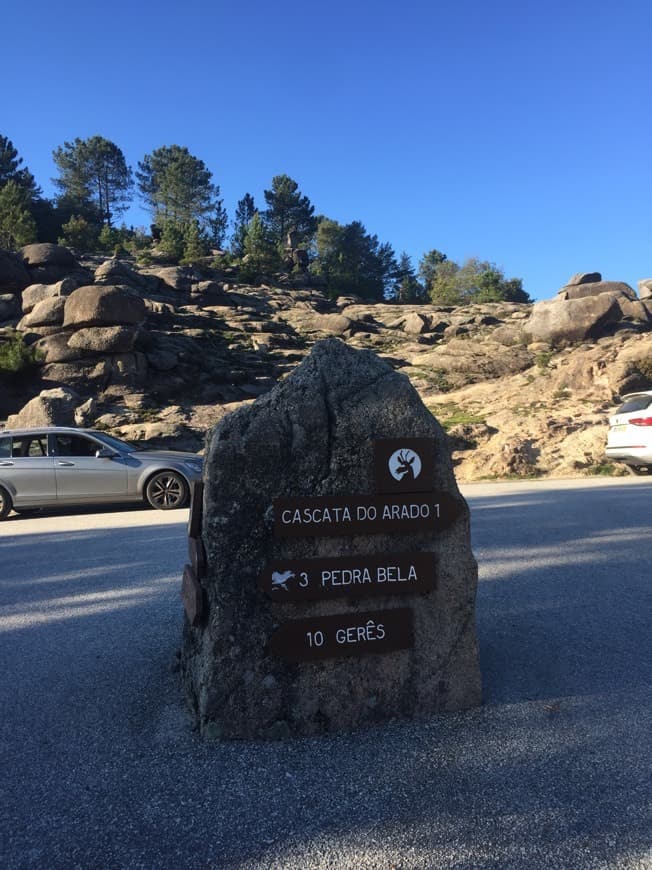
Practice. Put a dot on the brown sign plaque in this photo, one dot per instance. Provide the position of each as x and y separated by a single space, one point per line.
350 634
348 577
196 504
364 514
404 464
197 556
192 596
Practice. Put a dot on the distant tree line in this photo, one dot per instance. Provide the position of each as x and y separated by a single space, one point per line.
95 187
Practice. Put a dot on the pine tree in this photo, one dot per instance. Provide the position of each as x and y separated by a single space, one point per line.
93 175
244 213
194 244
352 261
17 226
287 210
217 222
80 234
10 169
407 288
176 186
259 250
428 266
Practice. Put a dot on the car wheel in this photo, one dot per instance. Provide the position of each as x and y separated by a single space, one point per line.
640 469
166 490
5 503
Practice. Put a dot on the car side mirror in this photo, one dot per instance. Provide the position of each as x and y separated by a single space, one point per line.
104 453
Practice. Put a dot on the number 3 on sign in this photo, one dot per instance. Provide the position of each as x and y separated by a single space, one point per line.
315 638
303 582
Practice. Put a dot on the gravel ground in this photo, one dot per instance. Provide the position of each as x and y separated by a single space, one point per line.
100 767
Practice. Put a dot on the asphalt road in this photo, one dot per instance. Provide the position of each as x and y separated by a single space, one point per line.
99 767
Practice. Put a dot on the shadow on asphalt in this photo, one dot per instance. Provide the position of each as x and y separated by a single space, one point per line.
563 608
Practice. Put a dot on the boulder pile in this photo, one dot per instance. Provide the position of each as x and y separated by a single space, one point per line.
165 351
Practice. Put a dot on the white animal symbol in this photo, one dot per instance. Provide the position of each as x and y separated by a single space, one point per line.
279 580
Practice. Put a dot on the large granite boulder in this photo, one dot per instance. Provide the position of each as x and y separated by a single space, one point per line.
55 407
36 293
47 254
313 436
563 321
54 348
177 278
48 263
103 339
588 288
48 312
13 274
115 271
103 306
645 288
583 278
9 307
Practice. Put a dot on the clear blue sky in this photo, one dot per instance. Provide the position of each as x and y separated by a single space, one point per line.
518 132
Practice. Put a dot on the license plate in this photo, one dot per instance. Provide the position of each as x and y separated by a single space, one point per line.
620 428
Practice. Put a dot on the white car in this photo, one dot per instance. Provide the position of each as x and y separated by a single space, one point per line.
630 432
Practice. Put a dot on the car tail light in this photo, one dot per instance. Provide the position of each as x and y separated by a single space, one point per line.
641 421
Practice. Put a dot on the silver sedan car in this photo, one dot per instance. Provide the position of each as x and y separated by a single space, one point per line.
58 466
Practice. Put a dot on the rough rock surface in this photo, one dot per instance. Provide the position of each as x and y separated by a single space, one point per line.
312 436
13 274
567 320
48 312
505 396
49 408
645 288
103 339
47 254
103 305
583 278
36 293
589 288
9 306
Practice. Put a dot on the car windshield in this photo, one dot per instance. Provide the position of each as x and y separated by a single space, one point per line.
115 443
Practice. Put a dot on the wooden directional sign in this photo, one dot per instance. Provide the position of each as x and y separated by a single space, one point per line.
404 464
197 555
196 505
364 514
192 596
348 577
351 634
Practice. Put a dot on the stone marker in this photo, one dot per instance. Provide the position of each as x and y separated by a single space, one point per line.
379 618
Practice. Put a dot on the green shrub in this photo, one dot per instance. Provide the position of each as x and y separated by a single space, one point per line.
604 469
543 359
16 356
79 234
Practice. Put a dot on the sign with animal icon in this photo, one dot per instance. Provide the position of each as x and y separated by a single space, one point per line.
355 576
345 634
404 464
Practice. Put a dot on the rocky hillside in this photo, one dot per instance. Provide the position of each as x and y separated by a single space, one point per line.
160 354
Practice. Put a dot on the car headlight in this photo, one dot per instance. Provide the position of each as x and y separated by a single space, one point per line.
194 465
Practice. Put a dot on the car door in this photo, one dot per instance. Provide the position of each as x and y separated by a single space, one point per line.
81 476
28 470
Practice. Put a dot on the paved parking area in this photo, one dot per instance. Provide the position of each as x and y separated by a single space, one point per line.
100 767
